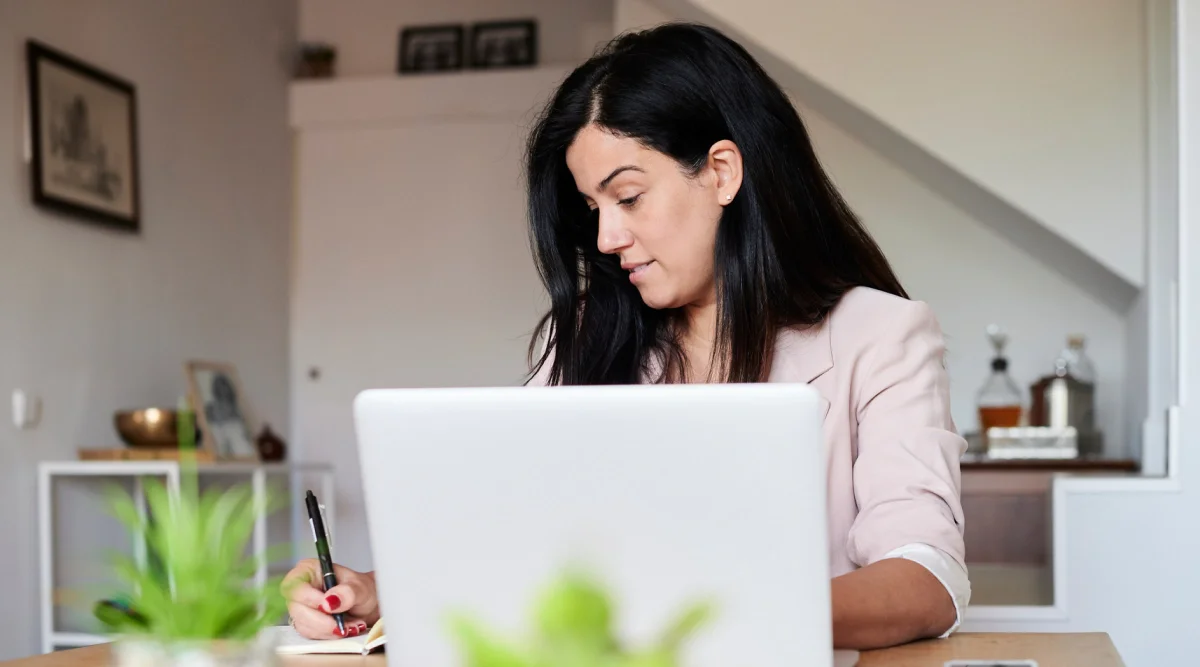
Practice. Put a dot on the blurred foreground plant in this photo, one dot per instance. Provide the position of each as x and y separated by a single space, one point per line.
197 584
573 621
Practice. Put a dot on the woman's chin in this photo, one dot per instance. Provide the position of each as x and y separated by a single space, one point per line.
656 300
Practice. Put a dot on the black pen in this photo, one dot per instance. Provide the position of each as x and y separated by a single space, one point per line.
318 530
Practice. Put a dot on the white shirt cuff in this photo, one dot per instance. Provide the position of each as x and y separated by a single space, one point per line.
948 571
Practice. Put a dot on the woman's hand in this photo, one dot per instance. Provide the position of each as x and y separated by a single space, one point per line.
311 608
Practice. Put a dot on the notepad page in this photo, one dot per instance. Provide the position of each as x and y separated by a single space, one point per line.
290 642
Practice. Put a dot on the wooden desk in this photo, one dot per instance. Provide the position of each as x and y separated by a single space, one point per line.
1050 650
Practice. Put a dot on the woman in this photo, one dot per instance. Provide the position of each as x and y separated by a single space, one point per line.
687 233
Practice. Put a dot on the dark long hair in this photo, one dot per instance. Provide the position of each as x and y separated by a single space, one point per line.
788 246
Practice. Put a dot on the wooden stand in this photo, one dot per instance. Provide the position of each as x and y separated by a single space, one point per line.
141 454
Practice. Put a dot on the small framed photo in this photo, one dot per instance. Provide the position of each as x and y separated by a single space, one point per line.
215 393
431 48
83 132
497 44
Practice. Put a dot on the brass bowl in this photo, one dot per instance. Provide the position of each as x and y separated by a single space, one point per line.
147 427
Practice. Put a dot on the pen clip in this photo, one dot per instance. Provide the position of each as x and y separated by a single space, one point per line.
325 525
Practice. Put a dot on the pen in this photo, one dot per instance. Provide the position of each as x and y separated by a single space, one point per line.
318 529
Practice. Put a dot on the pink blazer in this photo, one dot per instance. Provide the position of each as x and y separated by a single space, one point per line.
891 448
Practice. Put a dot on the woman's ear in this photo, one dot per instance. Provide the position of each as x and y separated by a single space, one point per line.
725 161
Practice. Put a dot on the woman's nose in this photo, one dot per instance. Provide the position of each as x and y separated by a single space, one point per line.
612 236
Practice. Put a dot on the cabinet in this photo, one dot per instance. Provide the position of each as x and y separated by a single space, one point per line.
1008 509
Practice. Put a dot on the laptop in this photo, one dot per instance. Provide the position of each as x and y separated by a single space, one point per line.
478 498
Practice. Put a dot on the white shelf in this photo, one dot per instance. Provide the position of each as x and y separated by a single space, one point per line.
143 468
77 639
172 471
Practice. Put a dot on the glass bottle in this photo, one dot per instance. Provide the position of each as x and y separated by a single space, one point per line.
1078 363
999 399
1066 397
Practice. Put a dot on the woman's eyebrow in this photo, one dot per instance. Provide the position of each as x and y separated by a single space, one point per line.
615 172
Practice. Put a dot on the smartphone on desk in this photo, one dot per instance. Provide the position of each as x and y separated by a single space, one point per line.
990 663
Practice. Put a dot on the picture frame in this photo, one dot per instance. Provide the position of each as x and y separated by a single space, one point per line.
84 138
504 44
215 393
431 48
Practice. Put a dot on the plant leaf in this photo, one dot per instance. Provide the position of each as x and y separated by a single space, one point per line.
688 622
575 609
481 650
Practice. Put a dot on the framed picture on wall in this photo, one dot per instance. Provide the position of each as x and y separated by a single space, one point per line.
431 48
215 393
83 132
498 44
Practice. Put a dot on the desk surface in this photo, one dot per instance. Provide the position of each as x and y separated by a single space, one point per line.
1050 650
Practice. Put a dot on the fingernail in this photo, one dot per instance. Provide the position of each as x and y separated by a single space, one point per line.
339 632
362 627
333 602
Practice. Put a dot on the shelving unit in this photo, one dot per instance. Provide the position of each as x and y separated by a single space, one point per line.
170 470
73 640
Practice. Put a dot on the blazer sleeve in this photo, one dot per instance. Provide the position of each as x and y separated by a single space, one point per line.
907 481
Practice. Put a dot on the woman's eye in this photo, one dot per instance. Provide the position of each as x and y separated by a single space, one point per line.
629 202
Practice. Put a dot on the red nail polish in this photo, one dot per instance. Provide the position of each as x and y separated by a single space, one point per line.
339 632
333 602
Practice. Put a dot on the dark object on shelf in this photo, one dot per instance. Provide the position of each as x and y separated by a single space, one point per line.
499 44
317 61
431 48
117 613
270 446
1059 399
83 129
1067 397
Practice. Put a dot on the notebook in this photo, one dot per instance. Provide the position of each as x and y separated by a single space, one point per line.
289 642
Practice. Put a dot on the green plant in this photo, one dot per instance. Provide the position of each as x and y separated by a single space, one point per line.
198 581
573 622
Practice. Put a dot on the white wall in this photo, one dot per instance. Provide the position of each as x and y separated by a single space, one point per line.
412 265
972 277
95 321
1152 340
634 14
1040 102
928 240
367 32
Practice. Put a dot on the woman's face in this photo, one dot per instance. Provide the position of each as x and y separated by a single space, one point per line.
660 222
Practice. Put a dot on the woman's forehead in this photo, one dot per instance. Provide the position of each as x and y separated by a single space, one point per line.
596 154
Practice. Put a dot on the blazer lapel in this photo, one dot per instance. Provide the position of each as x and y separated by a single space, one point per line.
801 355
